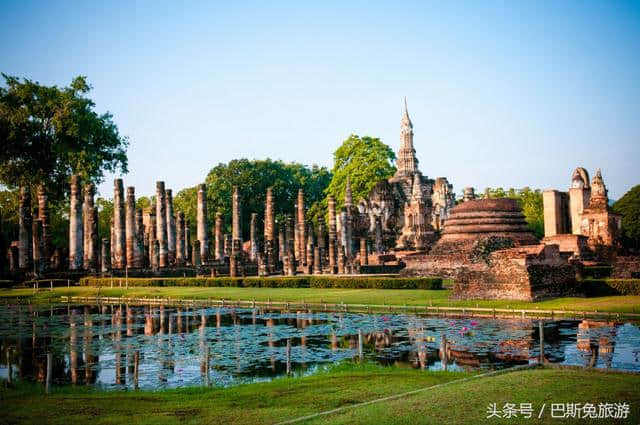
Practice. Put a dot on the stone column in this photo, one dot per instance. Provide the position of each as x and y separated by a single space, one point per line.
302 228
270 232
269 218
43 215
187 242
14 255
180 257
236 222
94 250
152 235
281 243
90 229
134 256
219 239
296 233
139 258
155 259
197 261
289 237
38 246
332 233
118 242
161 227
227 245
25 240
364 257
309 252
106 256
253 237
201 224
317 266
111 240
341 260
75 225
171 227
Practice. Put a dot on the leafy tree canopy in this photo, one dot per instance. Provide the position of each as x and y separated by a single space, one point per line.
48 133
253 177
629 207
529 200
365 160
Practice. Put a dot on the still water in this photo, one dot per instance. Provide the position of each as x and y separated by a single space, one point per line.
100 345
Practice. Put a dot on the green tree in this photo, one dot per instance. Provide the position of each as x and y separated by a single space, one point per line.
253 177
529 200
365 161
629 207
49 133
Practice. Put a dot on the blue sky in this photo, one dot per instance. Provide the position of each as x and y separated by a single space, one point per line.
508 93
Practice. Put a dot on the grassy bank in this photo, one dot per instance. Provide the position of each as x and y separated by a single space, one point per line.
457 403
410 297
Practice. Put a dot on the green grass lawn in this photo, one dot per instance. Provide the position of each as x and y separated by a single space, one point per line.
410 297
282 399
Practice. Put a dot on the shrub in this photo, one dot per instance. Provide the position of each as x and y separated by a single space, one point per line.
376 282
611 286
276 282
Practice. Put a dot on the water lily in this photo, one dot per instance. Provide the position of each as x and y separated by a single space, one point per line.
474 323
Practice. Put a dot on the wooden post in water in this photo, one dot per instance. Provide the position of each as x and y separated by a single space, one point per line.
360 350
9 367
47 387
136 365
126 277
444 358
206 367
288 353
541 332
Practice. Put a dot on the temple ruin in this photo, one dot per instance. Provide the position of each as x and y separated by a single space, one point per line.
408 223
580 220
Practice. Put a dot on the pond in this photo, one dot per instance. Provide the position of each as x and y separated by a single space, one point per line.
101 345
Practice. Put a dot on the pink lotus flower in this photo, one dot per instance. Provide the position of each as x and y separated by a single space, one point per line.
385 319
474 323
451 323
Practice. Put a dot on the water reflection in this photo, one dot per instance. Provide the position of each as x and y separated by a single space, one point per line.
164 346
